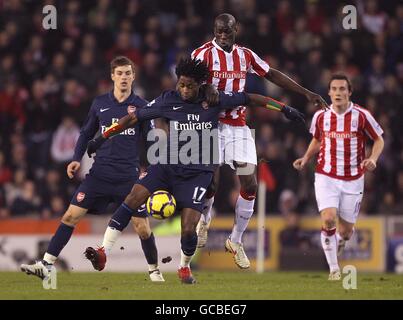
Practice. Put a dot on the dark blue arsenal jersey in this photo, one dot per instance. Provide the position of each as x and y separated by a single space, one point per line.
118 158
193 135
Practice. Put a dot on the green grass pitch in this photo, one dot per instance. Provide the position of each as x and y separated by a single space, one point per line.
211 285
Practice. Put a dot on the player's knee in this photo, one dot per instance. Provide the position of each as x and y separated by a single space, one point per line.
70 218
329 219
142 228
329 223
130 198
249 186
345 234
144 232
248 191
134 200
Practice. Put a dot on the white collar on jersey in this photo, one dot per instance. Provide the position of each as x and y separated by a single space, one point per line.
342 114
219 48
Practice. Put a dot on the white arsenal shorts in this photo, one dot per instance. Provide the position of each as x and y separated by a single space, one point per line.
343 195
236 144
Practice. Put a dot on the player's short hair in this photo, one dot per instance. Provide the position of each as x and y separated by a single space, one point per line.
225 17
192 68
340 76
120 61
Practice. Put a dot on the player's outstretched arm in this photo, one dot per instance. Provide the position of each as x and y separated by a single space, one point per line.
257 100
123 123
313 149
286 82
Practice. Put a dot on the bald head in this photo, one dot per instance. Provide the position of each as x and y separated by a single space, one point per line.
225 18
225 29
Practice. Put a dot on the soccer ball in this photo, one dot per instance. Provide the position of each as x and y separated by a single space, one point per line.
161 205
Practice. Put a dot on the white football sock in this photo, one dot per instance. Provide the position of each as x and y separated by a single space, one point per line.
110 237
49 258
185 260
152 267
207 208
243 213
329 245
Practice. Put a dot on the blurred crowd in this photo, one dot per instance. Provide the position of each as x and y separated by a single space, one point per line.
49 77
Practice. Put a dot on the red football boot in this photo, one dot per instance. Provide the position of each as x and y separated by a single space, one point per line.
186 276
97 257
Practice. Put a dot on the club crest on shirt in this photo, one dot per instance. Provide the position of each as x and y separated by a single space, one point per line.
354 124
80 196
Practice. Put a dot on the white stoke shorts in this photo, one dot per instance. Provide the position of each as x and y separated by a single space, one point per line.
345 196
236 143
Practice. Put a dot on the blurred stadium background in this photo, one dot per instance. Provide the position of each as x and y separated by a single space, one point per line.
49 77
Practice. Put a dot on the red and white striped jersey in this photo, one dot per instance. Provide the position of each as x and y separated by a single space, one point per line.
342 140
228 73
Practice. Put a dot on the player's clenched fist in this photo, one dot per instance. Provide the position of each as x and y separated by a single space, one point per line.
368 164
72 168
94 144
293 114
300 163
